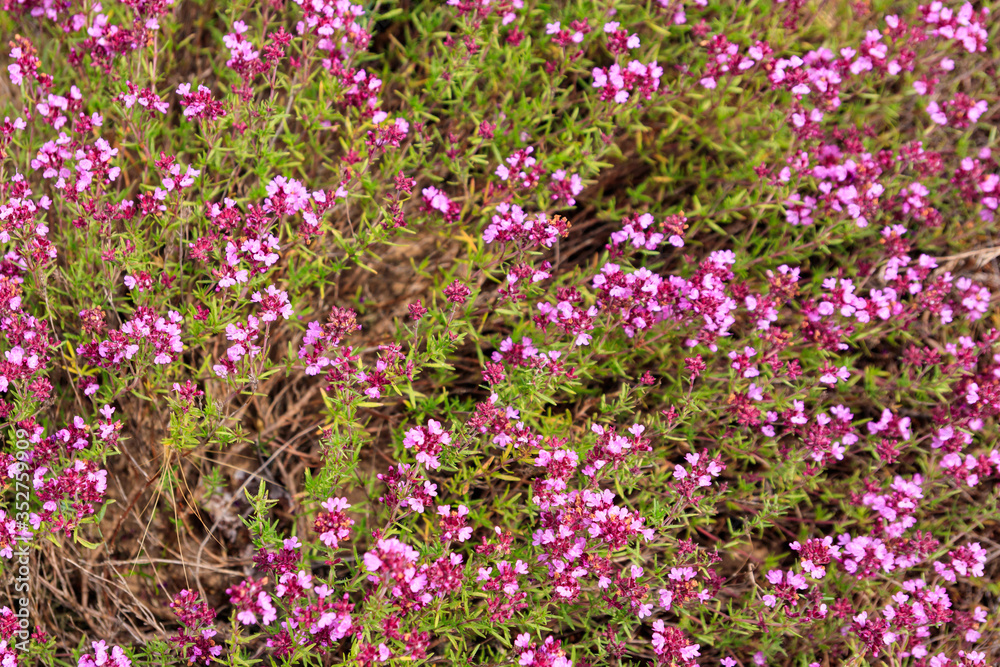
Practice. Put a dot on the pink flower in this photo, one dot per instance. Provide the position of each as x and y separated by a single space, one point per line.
428 442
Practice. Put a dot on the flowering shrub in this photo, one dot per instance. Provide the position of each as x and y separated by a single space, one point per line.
499 333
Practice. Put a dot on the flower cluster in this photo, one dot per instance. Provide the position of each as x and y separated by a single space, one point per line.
478 331
428 442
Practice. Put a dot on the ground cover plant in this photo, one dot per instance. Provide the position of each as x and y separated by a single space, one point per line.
499 332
